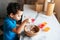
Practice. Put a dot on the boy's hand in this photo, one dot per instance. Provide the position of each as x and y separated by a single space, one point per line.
27 21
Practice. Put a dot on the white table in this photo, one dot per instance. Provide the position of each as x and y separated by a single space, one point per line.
52 34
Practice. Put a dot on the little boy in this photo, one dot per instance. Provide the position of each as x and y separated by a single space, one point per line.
14 14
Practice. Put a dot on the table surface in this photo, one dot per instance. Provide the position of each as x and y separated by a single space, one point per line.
52 34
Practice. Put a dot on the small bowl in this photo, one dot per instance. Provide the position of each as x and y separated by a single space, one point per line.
34 30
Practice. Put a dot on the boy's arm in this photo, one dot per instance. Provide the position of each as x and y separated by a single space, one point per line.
21 27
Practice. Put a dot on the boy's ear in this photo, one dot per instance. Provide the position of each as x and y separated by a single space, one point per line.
11 15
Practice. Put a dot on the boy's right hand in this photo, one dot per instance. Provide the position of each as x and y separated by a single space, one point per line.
26 21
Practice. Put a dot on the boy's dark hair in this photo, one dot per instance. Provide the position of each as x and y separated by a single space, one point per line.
13 8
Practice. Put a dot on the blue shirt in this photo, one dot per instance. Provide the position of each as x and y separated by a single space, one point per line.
9 25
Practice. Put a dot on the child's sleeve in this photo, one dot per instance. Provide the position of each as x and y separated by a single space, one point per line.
10 26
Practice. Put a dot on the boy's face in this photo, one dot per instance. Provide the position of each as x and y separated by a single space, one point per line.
17 16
